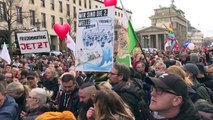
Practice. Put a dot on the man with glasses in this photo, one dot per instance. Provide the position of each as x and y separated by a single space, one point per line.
119 79
169 98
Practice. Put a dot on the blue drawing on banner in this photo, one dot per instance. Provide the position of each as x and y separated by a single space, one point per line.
98 46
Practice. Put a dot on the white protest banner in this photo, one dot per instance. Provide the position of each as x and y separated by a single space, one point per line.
95 39
33 42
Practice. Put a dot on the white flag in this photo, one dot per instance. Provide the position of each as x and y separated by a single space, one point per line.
70 43
5 54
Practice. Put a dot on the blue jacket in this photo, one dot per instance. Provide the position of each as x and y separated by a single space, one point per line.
8 111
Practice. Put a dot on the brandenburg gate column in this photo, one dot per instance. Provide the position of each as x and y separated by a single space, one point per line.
157 42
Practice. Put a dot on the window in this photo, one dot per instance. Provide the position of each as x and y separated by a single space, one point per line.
69 21
115 13
43 20
19 15
74 11
75 26
85 3
60 7
68 10
61 21
31 1
74 1
2 11
32 17
96 6
42 3
79 2
90 4
52 4
52 20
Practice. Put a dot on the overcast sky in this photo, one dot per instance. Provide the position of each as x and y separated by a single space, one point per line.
198 12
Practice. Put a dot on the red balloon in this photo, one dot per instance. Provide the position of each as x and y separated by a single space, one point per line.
61 30
110 2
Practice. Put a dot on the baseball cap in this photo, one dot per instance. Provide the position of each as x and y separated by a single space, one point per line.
170 82
31 74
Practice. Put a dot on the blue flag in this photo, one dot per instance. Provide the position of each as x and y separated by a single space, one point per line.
186 43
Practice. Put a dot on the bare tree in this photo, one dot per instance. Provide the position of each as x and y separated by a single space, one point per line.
15 19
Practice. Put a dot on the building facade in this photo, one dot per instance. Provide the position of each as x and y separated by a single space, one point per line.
33 15
155 35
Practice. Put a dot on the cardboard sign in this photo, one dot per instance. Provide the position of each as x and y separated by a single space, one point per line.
34 42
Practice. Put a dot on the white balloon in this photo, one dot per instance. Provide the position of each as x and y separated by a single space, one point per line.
191 46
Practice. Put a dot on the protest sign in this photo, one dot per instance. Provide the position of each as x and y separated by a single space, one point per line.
33 42
95 38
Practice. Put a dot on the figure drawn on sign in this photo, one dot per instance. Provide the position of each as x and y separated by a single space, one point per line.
97 39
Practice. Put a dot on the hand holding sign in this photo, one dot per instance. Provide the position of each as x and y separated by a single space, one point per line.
61 31
110 2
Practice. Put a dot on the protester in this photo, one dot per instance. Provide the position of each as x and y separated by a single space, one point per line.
38 102
192 72
22 76
109 106
32 80
178 70
118 78
170 99
19 92
8 106
65 115
50 81
67 98
159 68
9 77
87 93
194 58
3 80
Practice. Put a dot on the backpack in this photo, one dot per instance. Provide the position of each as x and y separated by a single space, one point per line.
202 92
205 109
210 92
143 107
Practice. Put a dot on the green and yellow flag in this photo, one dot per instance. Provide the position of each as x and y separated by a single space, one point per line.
127 41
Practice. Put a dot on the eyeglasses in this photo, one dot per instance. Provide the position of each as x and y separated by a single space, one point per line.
111 73
30 78
160 90
32 97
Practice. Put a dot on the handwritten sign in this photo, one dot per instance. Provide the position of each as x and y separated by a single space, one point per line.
34 42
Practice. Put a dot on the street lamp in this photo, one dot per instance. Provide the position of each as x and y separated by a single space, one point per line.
37 24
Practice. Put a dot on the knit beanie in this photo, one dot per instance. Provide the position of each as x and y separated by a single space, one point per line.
192 68
194 58
65 115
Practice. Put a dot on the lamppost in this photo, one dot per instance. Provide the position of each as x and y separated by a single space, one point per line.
37 24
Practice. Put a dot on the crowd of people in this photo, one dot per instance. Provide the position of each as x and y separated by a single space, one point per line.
158 86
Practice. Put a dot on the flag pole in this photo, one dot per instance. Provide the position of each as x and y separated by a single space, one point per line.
136 36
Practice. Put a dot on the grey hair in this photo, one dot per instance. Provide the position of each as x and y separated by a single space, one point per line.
15 87
41 94
53 70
